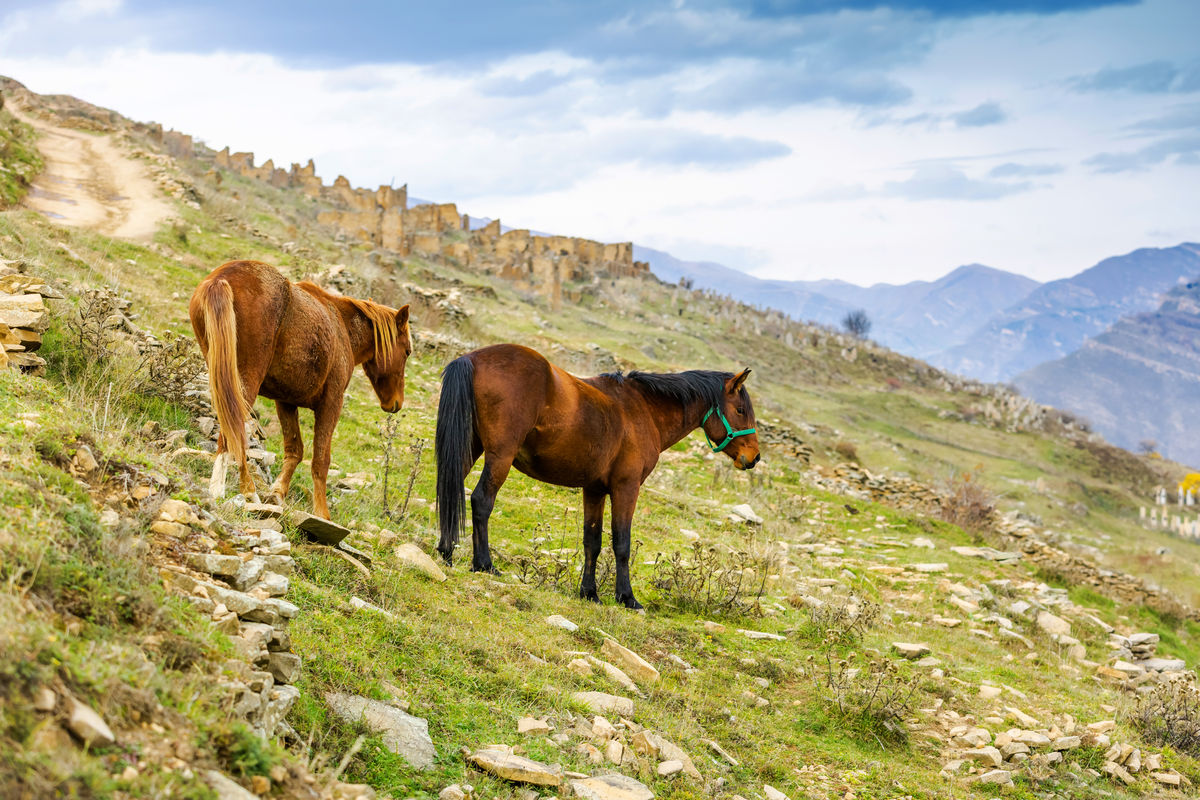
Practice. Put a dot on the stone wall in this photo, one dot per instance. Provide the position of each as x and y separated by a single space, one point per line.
382 219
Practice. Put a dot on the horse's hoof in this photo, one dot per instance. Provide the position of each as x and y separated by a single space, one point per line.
630 603
592 595
488 568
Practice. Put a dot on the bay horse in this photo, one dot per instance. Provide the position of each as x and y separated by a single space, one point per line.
298 345
602 434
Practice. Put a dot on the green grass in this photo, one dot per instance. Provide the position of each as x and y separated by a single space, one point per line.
19 159
462 653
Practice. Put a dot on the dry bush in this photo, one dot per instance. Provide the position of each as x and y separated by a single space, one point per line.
560 569
869 695
841 621
167 370
1169 715
713 582
846 450
967 503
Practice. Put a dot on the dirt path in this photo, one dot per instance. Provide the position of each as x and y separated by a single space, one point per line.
89 182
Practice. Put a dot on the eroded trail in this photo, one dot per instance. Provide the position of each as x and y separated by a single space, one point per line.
89 182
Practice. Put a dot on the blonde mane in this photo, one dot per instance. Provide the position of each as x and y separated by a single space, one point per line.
383 321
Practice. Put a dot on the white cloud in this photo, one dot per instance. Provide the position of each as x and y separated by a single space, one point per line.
555 142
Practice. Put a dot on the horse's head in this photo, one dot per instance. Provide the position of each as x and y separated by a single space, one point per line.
731 428
385 369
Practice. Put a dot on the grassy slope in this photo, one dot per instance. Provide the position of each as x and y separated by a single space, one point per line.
459 651
19 159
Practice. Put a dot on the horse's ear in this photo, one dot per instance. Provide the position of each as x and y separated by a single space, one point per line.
402 316
736 381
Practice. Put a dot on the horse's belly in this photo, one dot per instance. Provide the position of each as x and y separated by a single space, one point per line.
556 471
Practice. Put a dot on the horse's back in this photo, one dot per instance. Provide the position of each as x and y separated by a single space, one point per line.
260 296
563 429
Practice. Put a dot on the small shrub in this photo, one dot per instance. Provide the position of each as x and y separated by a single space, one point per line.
560 569
841 621
871 697
1169 715
713 582
857 323
167 371
967 503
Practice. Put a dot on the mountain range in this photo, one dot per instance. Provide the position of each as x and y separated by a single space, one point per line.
977 321
1139 381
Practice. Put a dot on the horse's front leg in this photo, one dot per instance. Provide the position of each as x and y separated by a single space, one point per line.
624 499
293 448
483 500
593 526
325 419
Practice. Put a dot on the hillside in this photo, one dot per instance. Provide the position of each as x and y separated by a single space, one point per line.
920 318
1138 381
1056 318
940 590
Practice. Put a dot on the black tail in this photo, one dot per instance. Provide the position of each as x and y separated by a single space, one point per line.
455 432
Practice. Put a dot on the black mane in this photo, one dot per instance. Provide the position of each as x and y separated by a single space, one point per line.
682 387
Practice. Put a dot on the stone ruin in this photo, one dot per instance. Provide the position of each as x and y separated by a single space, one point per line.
382 219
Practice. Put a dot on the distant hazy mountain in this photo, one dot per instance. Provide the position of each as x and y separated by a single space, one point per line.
919 318
1055 319
1139 380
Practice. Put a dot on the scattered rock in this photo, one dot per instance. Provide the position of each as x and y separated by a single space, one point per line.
601 703
402 733
1055 626
611 787
911 650
559 621
637 667
668 768
771 793
744 513
516 768
88 726
226 788
528 726
322 530
411 555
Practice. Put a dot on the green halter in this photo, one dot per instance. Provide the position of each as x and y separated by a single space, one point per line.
730 433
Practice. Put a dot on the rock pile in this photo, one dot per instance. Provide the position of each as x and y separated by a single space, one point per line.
238 577
1134 660
23 318
856 481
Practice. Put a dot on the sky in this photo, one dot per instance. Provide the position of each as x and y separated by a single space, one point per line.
864 140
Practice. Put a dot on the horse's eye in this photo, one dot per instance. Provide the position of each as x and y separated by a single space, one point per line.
741 411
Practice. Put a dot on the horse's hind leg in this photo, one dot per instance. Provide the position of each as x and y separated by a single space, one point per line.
593 526
293 448
216 484
483 500
325 419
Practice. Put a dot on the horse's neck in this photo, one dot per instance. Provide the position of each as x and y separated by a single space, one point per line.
358 328
674 420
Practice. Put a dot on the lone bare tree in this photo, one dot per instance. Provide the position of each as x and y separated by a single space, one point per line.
857 323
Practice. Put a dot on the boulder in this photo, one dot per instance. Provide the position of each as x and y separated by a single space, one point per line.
1055 626
402 733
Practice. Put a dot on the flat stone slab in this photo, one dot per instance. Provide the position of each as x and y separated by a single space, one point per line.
321 530
516 768
611 787
640 669
403 734
911 649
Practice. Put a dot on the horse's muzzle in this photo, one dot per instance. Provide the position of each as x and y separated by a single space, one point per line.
393 408
748 463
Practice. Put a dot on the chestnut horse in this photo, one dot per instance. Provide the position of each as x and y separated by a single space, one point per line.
298 345
602 434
